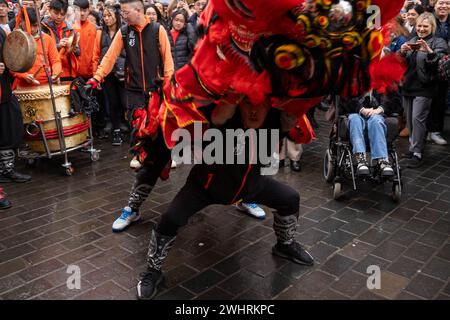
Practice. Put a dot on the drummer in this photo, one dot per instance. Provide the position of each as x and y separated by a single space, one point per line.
65 38
11 126
36 75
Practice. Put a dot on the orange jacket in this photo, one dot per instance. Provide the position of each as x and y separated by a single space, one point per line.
114 51
69 61
87 39
37 70
97 54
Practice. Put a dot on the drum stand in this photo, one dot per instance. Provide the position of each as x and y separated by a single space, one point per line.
88 146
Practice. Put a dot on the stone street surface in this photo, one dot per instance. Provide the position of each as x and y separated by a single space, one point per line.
60 221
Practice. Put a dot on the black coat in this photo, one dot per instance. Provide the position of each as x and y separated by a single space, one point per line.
390 102
11 125
443 29
421 76
183 49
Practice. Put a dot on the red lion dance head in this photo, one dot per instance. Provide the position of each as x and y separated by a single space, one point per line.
291 52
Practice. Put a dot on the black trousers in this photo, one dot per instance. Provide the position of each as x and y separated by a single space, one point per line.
11 125
116 96
158 158
436 118
193 198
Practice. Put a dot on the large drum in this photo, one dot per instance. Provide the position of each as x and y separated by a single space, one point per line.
36 106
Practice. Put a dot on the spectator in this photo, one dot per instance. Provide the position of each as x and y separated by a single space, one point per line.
114 82
420 85
182 39
95 18
199 7
153 13
4 9
436 119
398 34
65 38
414 11
369 111
87 32
36 75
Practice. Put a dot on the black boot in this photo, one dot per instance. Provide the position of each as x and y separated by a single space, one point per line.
157 252
287 247
7 173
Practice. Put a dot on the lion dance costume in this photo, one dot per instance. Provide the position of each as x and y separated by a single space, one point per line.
282 55
290 52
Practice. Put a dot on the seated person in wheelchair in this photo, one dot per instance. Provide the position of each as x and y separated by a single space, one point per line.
370 111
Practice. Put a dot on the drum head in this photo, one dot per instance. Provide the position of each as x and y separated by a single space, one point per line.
19 51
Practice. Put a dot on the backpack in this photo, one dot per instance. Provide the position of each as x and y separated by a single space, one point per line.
81 101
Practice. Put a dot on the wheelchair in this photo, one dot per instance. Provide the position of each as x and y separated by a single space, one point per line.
338 163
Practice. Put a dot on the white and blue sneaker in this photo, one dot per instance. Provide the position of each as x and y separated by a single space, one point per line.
125 220
252 209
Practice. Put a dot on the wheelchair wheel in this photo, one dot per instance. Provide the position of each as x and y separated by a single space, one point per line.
396 192
328 167
337 190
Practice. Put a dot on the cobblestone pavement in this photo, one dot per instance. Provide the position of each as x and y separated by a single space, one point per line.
59 221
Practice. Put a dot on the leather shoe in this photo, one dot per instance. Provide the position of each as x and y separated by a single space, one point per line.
14 176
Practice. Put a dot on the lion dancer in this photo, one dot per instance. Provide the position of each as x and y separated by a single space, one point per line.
148 60
282 57
229 184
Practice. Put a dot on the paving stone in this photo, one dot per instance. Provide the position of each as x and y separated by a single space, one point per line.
406 267
222 253
419 252
438 268
337 265
350 284
203 281
425 286
388 251
357 250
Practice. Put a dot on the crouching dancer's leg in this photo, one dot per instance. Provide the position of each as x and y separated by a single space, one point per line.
286 202
158 159
191 199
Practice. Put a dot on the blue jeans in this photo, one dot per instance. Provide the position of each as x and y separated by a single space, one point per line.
377 134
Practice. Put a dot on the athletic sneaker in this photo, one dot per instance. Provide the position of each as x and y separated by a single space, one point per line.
252 209
125 220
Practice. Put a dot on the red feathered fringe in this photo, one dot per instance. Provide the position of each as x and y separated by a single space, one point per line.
386 74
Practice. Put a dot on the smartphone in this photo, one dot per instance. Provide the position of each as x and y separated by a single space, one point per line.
414 46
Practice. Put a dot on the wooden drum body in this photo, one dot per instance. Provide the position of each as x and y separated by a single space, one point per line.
36 106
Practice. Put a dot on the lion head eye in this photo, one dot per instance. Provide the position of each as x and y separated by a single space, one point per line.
239 8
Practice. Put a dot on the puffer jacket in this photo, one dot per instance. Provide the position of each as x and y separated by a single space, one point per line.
183 48
421 76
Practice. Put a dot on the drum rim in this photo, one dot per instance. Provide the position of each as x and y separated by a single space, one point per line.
11 59
42 92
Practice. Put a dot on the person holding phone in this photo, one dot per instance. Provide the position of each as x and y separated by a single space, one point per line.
422 54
